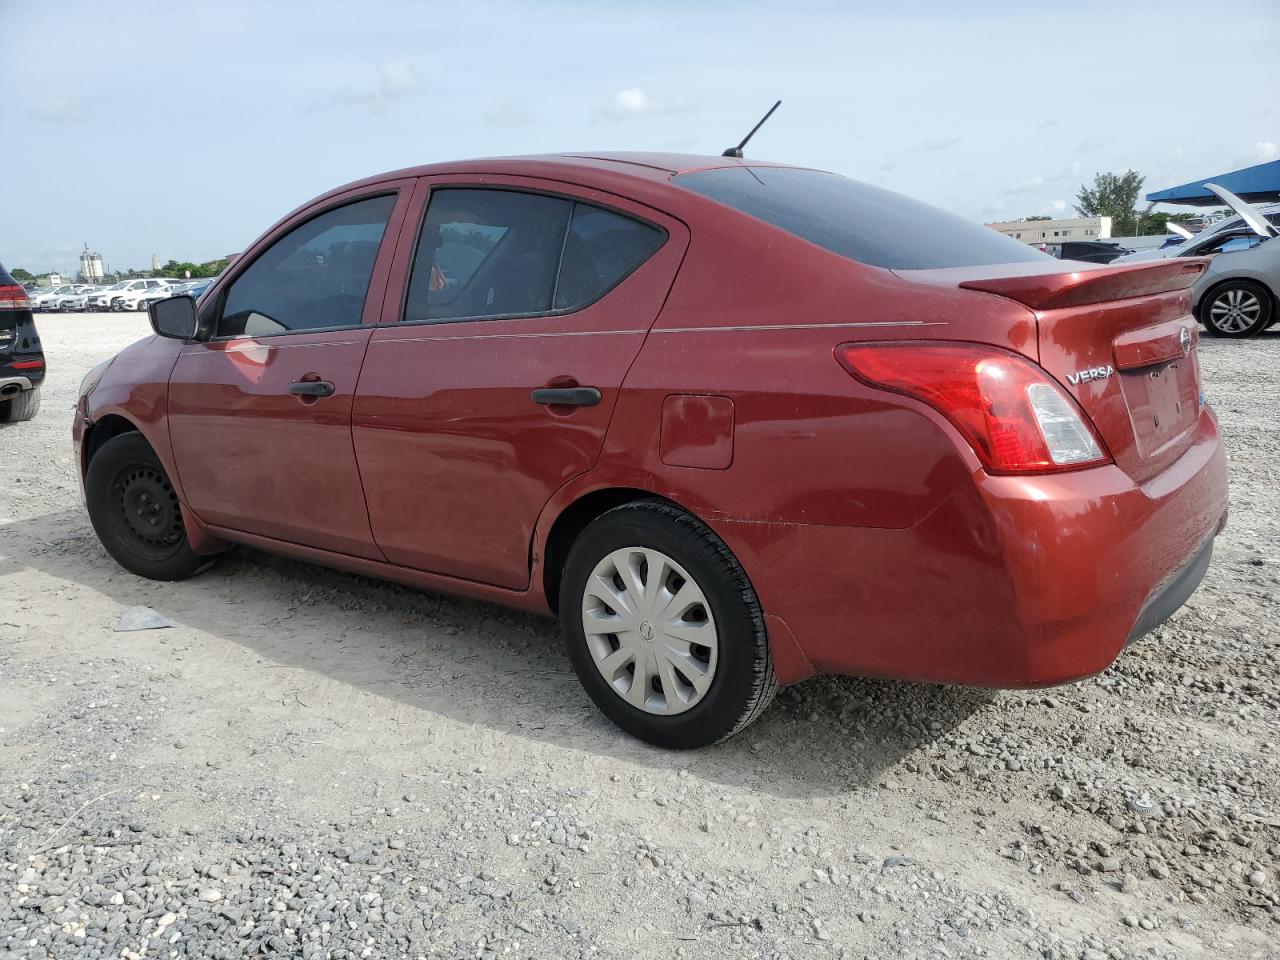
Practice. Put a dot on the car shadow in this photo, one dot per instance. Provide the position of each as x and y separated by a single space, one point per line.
482 664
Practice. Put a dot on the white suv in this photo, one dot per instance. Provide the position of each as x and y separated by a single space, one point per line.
112 298
133 299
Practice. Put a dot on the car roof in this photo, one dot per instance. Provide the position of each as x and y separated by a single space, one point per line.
611 171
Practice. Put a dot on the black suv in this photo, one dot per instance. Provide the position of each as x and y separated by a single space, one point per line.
21 357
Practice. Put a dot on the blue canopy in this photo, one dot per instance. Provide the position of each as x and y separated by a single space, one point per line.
1259 184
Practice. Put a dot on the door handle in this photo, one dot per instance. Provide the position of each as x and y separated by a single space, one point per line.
312 388
566 396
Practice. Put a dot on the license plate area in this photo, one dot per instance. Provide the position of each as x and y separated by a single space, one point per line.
1163 403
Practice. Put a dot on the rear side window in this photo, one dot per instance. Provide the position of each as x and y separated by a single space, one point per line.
485 254
856 220
313 277
601 249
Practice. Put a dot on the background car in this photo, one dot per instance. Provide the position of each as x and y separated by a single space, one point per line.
1238 296
177 289
73 299
1206 239
1088 251
47 299
133 299
78 302
22 367
111 298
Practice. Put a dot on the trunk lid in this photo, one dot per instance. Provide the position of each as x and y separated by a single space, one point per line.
1121 340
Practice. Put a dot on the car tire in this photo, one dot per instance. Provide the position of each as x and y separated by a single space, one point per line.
23 405
1237 309
135 511
716 687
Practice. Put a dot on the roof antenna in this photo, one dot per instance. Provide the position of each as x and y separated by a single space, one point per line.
737 151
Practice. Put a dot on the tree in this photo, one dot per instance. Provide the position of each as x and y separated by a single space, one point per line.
1039 216
1152 223
1115 196
193 270
22 276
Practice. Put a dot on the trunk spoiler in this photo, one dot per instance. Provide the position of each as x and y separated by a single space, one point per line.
1048 291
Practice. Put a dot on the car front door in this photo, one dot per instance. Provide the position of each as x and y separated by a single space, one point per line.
260 414
510 321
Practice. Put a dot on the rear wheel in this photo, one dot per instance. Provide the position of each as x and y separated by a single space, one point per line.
1237 309
663 627
136 513
23 405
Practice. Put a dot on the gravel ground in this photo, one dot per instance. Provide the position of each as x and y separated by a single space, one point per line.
318 765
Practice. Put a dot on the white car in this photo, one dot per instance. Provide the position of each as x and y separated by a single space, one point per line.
48 299
1204 240
113 296
134 299
72 300
77 302
164 293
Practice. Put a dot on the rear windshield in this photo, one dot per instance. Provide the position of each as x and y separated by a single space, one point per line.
857 221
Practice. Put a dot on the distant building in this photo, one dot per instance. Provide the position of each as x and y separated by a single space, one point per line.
90 266
155 262
1055 231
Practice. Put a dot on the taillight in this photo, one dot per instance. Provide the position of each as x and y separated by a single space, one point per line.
14 298
1016 418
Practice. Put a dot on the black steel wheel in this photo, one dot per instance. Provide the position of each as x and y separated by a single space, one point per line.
136 512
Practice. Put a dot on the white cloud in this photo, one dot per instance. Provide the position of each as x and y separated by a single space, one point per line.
1027 186
1173 154
509 113
59 110
1058 206
1261 152
934 145
392 81
633 102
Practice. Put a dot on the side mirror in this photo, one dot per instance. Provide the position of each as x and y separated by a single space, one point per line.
175 317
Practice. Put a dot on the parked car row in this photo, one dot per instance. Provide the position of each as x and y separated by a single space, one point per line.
125 295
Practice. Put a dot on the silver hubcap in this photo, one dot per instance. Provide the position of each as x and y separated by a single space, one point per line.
1235 311
650 631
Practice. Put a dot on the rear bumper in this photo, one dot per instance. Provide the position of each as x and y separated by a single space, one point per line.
22 378
1010 582
1172 595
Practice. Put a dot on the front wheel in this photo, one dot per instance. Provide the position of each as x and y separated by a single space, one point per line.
1237 309
135 511
663 627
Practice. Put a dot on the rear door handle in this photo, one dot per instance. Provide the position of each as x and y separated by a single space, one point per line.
566 396
312 388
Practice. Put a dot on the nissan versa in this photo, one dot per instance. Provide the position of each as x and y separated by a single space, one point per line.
734 423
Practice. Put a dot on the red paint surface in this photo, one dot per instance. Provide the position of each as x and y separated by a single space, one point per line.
874 539
697 432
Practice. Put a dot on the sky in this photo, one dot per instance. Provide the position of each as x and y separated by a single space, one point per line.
186 129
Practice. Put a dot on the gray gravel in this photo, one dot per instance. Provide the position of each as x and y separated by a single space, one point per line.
312 764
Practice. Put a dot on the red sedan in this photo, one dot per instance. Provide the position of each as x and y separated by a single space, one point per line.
734 423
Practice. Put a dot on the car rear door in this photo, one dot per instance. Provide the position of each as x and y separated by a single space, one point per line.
260 415
509 324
